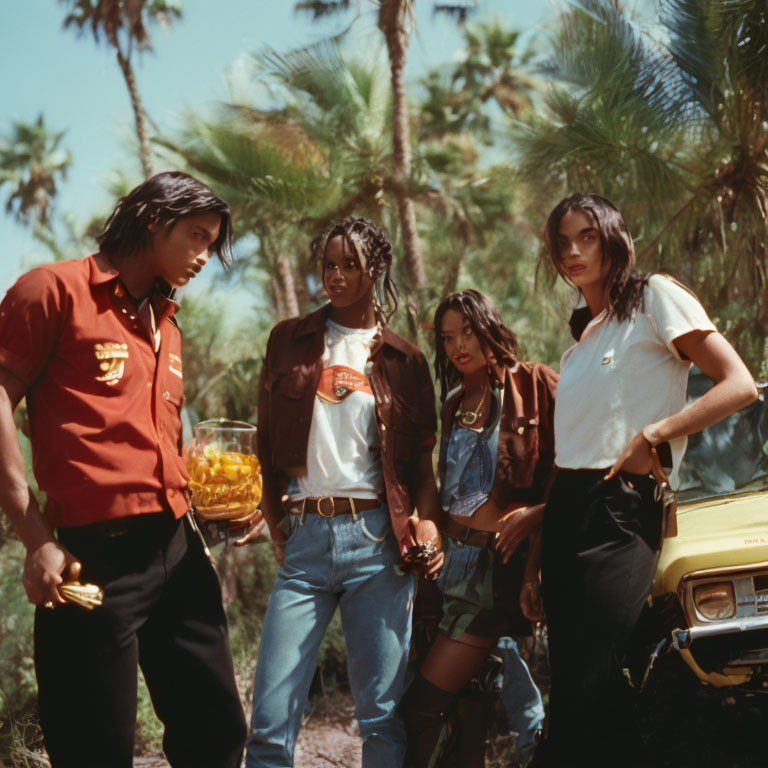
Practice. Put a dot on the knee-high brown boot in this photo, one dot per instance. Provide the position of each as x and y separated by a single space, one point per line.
425 709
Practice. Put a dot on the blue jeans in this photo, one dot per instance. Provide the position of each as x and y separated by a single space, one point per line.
520 699
329 562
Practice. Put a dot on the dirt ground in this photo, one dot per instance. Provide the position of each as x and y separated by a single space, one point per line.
328 737
684 724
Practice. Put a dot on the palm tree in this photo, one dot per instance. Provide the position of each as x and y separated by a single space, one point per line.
395 17
494 68
124 25
319 153
671 122
471 200
395 20
31 163
261 183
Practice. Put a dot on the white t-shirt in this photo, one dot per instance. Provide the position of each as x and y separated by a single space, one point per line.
622 376
343 456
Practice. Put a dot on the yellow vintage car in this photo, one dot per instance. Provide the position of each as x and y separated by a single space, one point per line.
710 594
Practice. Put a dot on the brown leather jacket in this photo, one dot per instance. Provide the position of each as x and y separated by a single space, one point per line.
405 416
526 433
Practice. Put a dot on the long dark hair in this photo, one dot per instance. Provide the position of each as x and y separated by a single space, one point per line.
161 201
485 321
363 237
625 284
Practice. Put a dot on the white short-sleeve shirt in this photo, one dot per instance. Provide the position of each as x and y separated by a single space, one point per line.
622 376
343 454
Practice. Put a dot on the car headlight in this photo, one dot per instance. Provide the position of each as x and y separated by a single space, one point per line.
715 601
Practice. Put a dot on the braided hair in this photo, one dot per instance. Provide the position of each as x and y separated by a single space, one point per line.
374 250
486 323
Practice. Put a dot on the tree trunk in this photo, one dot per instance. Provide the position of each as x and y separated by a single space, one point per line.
392 15
452 273
226 567
287 284
277 297
145 151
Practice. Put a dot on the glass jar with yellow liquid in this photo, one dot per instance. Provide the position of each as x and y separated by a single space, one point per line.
224 473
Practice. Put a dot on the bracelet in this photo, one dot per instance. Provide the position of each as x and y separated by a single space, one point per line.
649 433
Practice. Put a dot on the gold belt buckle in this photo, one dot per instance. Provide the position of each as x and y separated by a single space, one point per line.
320 506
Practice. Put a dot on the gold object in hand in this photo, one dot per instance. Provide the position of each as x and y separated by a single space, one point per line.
87 596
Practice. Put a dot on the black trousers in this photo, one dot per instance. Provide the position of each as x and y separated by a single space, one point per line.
600 548
162 610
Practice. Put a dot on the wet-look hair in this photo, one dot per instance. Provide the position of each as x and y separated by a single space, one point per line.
372 247
486 323
625 284
157 205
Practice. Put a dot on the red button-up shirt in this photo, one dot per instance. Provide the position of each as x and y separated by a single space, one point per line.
103 403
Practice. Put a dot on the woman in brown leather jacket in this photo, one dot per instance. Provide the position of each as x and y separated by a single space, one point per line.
346 431
496 454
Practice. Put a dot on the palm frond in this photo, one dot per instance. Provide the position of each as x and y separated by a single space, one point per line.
694 46
609 58
322 8
460 10
250 170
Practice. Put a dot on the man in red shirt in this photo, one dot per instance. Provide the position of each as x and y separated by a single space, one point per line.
94 347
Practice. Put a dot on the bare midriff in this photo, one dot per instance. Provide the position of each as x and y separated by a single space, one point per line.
487 517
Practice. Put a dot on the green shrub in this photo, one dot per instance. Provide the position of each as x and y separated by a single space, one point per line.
17 673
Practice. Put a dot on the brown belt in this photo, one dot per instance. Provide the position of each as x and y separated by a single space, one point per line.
465 534
333 506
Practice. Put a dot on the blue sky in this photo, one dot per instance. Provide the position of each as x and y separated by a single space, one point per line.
78 87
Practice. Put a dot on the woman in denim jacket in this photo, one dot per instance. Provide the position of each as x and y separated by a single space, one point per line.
346 430
495 457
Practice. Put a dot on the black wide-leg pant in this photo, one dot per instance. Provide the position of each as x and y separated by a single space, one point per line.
600 548
162 610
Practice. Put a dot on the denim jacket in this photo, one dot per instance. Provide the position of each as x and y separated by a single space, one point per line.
405 414
526 448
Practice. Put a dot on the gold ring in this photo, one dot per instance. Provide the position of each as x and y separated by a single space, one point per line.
49 604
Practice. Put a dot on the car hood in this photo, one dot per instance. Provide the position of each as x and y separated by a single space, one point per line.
726 532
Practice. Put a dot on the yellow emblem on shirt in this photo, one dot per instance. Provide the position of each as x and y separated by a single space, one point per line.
174 364
112 356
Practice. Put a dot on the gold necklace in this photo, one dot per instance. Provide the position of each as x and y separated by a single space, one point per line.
468 418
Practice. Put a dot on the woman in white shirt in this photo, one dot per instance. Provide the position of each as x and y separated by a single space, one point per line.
621 391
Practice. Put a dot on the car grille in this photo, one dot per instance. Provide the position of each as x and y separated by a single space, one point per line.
761 593
714 653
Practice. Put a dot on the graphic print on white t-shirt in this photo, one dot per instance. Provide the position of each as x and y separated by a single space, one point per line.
343 457
339 381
